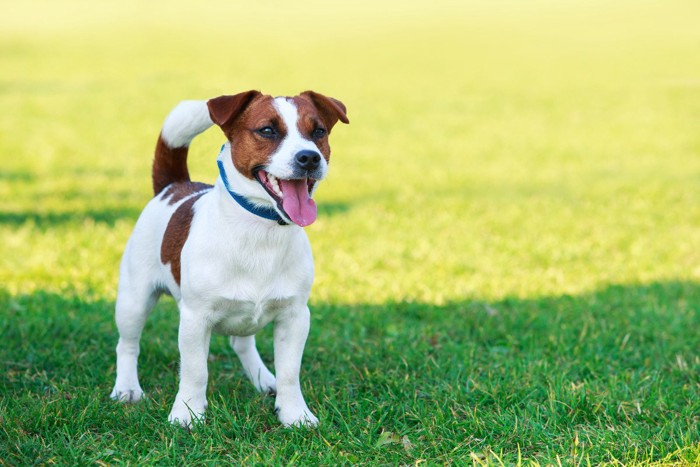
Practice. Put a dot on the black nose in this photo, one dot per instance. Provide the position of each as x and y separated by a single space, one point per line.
308 160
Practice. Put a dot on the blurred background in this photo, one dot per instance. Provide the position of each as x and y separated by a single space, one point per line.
496 148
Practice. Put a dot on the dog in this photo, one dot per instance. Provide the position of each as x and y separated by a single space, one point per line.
234 255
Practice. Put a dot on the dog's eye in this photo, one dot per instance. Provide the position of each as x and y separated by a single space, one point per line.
267 132
318 133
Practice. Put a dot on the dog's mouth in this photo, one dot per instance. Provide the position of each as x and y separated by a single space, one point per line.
293 197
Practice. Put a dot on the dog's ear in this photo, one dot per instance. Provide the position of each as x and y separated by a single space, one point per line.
224 110
331 110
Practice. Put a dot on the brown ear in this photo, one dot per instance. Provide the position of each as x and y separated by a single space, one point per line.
331 110
224 110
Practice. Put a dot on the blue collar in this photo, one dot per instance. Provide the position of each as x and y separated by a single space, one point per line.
264 212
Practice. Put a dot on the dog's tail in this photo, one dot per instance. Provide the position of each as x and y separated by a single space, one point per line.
185 121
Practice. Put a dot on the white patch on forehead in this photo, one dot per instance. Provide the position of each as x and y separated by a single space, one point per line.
281 162
289 114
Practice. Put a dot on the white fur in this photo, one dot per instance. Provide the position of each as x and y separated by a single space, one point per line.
282 161
185 121
239 272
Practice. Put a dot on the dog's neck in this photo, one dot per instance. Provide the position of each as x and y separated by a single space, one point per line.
265 212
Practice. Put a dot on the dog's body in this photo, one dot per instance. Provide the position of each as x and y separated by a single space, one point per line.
233 255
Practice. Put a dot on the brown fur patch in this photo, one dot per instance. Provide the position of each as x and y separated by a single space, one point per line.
331 110
225 110
176 234
310 119
169 166
179 190
248 148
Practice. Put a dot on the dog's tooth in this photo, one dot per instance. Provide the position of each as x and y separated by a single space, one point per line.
274 183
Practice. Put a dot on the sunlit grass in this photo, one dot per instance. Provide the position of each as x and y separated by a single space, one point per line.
540 159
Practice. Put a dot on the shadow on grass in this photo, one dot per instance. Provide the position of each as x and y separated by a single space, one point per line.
54 219
16 176
333 209
47 220
608 375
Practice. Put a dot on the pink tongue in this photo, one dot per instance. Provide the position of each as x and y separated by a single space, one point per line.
296 202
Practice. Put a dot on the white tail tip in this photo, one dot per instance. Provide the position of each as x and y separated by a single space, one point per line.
185 121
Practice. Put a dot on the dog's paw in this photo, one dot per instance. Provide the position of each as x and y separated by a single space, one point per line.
266 384
298 418
127 395
186 415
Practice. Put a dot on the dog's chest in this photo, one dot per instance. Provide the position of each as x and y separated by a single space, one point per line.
243 317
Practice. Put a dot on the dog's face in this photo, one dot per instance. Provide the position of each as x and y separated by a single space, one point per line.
281 143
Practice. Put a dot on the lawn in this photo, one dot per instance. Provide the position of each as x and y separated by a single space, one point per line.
507 249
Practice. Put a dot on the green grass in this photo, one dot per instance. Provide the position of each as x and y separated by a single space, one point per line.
507 251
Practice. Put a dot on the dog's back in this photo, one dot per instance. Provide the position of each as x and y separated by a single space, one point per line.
152 253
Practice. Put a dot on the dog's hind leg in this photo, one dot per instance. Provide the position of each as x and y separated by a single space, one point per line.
133 307
254 368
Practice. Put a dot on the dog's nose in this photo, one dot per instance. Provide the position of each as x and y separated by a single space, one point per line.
308 160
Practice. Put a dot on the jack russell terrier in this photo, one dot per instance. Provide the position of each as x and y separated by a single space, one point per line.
234 255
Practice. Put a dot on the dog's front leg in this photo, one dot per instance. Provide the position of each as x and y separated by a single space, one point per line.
193 342
290 334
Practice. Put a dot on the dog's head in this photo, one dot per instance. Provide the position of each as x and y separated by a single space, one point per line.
281 145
